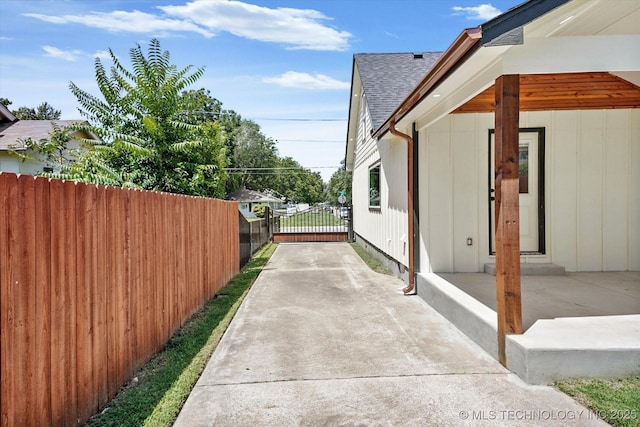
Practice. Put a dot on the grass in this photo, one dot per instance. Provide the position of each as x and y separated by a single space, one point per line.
321 218
373 262
157 392
615 401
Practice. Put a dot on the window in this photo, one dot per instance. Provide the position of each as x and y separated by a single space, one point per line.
523 160
374 186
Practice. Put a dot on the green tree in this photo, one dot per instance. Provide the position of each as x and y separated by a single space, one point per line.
297 183
203 107
154 132
254 158
339 181
256 165
44 111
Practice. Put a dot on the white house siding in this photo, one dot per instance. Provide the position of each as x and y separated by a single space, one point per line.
9 163
592 192
385 228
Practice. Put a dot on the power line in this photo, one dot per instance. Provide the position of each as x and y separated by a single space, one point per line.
276 170
281 168
309 140
282 119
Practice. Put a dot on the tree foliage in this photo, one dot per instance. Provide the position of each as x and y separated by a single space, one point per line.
340 181
256 165
44 111
153 130
157 133
297 183
254 158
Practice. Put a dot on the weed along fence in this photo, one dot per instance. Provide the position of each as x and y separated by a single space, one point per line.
94 280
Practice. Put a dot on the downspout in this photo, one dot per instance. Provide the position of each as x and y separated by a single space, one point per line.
409 289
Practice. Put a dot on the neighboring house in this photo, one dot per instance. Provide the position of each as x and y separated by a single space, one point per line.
247 199
13 132
553 83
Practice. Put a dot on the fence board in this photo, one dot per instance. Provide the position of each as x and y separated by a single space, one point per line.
63 303
85 277
139 265
7 304
146 294
70 298
100 343
42 301
114 275
22 265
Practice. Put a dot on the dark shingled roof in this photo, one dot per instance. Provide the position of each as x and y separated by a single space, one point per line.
387 78
12 133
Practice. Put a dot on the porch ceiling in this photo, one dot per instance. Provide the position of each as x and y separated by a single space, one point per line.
566 91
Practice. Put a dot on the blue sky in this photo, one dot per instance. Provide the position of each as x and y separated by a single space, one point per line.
286 64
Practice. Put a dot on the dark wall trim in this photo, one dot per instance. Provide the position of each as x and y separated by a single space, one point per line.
416 200
517 17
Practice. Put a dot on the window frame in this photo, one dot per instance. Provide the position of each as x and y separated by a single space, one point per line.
376 165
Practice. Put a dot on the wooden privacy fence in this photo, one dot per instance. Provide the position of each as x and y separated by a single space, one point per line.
94 280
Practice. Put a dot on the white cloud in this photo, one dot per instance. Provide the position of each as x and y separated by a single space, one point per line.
3 38
102 54
298 28
294 79
67 55
295 28
121 21
482 12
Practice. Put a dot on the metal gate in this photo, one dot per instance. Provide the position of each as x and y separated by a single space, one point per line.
316 224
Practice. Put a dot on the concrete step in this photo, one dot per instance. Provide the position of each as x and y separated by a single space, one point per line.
531 269
576 347
551 349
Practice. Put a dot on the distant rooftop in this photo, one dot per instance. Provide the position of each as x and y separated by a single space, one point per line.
245 195
11 133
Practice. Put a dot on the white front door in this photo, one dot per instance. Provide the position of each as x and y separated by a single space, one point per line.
529 160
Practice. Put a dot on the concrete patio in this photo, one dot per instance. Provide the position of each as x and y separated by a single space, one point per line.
577 324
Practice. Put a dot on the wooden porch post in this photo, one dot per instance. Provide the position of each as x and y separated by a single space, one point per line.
507 213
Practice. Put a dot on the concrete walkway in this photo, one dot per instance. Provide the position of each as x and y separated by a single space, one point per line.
323 340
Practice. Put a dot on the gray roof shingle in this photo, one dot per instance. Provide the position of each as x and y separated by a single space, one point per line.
11 133
387 78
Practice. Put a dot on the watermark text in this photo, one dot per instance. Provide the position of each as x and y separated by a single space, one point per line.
547 415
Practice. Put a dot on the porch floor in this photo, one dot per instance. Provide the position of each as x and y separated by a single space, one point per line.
576 325
582 294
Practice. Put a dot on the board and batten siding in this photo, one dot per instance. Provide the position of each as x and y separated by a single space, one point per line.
386 227
592 190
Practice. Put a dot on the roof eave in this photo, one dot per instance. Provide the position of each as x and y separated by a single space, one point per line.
348 155
466 42
517 17
4 112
